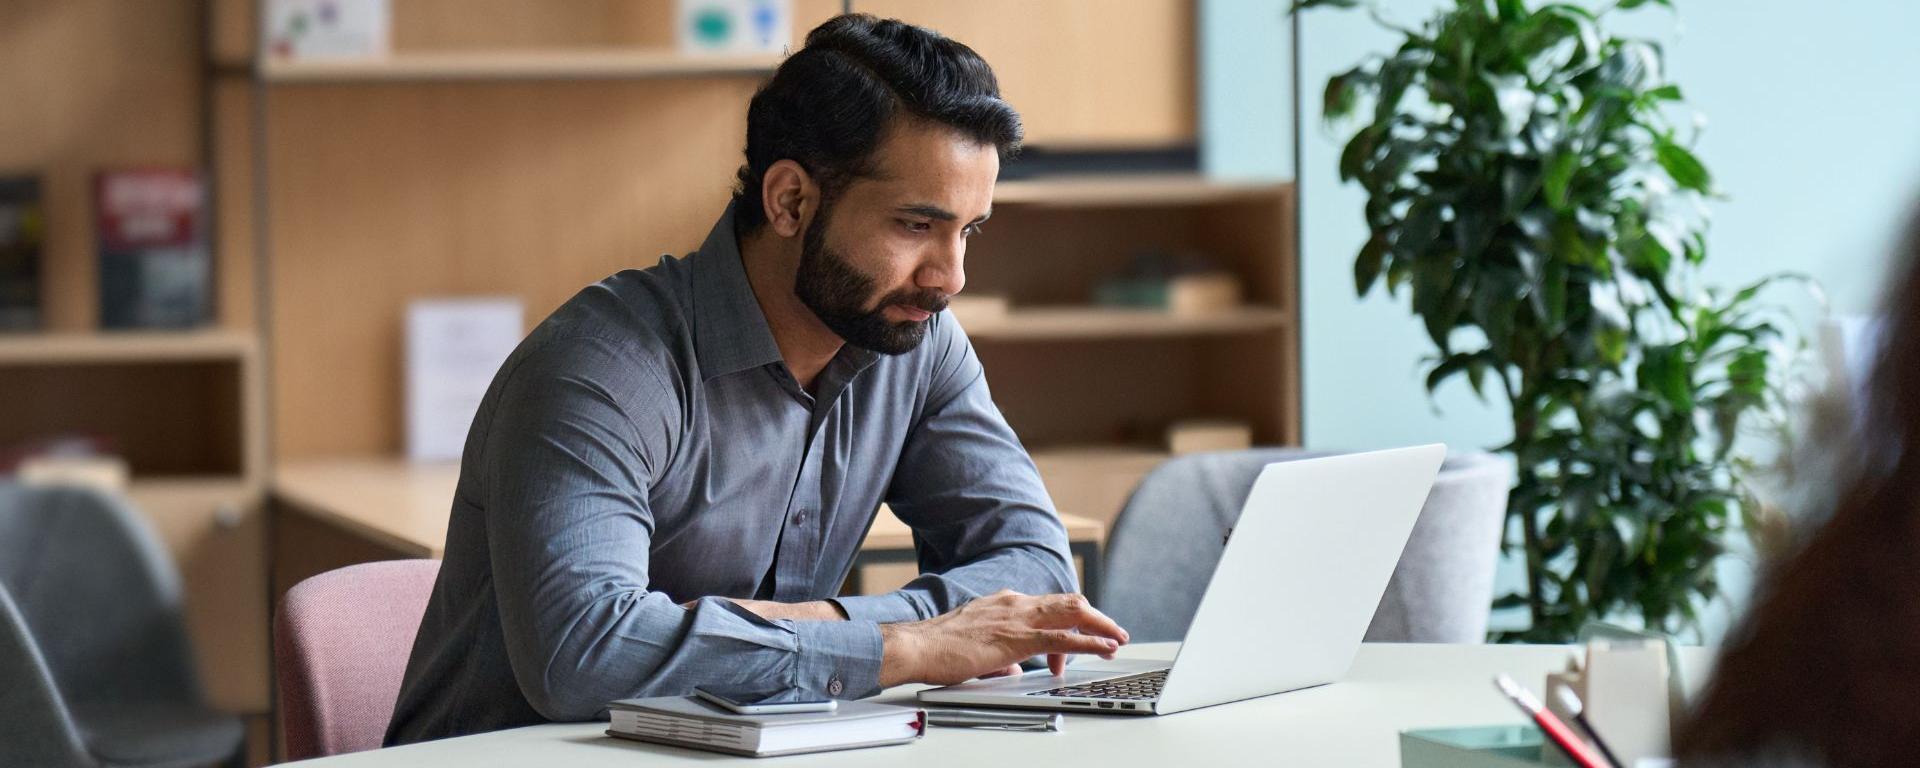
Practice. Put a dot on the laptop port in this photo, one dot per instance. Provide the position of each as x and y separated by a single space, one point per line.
1106 705
1077 703
1126 706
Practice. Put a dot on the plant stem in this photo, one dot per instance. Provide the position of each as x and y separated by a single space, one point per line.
1525 420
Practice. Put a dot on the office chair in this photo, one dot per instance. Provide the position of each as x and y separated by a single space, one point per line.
95 665
1166 541
340 646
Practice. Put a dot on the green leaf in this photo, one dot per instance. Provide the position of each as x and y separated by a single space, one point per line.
1303 5
1558 177
1473 230
1581 22
1359 152
1422 227
1611 343
1366 268
1396 75
1509 601
1518 184
1686 170
1667 92
1663 372
1451 366
1341 94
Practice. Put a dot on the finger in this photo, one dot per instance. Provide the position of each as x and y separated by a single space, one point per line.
1057 664
1069 641
1072 611
1010 670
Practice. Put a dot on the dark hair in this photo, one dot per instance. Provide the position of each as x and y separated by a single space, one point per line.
830 103
1824 667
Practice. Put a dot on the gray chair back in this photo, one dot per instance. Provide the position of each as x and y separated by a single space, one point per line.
1166 541
39 730
94 624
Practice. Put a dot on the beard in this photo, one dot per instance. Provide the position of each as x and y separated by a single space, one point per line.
838 293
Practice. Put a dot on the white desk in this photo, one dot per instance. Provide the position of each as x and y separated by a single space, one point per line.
1351 724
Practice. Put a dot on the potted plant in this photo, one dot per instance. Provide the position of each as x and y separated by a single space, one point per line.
1529 188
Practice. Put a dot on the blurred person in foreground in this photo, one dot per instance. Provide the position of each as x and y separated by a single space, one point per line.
1825 668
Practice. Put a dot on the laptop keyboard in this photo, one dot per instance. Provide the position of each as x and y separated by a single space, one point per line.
1132 687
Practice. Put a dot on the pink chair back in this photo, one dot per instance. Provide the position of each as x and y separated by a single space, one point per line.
340 646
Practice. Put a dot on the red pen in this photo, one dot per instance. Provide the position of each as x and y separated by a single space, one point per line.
1562 736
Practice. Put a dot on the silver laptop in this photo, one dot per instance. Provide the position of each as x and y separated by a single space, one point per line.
1302 574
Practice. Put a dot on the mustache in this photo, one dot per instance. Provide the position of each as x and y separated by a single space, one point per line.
930 302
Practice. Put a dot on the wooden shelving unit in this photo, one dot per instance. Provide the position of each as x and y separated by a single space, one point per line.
1091 389
50 349
515 65
117 85
1067 323
1127 191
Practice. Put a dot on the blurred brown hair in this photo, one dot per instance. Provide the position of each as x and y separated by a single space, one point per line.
1826 666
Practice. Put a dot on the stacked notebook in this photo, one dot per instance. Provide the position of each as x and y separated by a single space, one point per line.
689 722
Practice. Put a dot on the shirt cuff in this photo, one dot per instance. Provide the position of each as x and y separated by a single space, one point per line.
840 659
880 609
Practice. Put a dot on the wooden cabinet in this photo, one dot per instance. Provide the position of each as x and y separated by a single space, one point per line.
216 531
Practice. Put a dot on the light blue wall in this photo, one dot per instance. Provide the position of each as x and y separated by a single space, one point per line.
1813 133
1246 96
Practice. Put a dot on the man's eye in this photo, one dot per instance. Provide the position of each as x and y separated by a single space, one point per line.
916 226
971 230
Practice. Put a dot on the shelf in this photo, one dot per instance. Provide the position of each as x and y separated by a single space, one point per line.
522 65
124 347
1131 190
1048 323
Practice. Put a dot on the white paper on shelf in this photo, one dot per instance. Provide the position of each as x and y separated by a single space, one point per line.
453 348
326 29
734 26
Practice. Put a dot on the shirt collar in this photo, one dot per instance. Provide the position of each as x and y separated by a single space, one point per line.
730 332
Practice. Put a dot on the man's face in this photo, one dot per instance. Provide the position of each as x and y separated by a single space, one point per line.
881 259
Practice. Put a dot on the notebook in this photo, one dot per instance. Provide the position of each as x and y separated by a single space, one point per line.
685 721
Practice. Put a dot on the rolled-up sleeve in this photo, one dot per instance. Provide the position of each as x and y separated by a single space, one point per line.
981 518
571 453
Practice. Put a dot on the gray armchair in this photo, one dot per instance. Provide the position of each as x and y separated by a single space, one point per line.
1165 543
95 667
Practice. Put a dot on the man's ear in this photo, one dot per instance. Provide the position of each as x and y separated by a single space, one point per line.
788 196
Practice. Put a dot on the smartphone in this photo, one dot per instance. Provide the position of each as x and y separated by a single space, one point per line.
767 705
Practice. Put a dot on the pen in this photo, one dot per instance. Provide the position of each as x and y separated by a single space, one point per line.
1571 702
1012 721
1557 731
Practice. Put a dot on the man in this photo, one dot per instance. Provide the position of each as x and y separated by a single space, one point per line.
668 480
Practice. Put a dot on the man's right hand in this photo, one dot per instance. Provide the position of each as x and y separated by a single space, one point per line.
989 634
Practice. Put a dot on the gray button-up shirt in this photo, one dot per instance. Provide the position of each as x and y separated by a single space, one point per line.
646 446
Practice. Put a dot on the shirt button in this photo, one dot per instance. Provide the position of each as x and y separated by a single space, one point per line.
833 687
800 517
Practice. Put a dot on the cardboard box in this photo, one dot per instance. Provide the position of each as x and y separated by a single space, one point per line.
978 310
1200 435
1202 293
